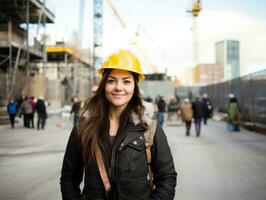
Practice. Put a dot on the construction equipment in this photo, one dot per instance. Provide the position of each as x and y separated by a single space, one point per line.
196 8
195 11
98 32
81 19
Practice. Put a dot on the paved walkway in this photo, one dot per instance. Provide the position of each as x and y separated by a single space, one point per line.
218 165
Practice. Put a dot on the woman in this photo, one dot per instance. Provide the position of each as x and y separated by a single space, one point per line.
111 129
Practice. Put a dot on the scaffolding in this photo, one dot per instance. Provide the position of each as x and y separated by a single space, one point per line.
17 58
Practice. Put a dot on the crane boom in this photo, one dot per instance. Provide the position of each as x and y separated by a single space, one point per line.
195 11
123 25
81 19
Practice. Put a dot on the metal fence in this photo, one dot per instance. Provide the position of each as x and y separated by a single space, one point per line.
250 90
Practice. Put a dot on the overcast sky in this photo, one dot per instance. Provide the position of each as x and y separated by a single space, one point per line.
164 29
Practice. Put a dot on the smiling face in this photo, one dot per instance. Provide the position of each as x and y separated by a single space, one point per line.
119 88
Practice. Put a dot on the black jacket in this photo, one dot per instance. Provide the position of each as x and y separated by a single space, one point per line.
40 107
128 170
161 106
75 108
197 107
207 108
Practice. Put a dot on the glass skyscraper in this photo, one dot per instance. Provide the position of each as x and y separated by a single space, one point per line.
227 55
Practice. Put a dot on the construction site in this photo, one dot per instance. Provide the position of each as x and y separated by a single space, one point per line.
31 65
36 69
132 100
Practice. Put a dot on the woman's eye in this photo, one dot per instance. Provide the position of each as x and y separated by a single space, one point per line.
110 81
127 82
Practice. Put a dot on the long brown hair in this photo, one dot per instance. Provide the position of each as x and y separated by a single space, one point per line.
94 122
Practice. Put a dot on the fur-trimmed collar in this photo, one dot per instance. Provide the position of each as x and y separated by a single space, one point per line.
148 114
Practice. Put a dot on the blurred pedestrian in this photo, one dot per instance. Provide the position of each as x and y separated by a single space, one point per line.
75 109
148 99
172 109
233 114
186 114
33 105
12 111
197 107
25 109
232 96
161 108
109 142
207 108
41 112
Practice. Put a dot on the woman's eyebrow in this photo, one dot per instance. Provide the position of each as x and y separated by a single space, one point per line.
112 77
128 77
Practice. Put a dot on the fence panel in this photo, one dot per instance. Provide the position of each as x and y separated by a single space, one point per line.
250 92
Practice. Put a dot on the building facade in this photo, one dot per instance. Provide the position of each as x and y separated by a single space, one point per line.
228 56
67 74
206 74
158 84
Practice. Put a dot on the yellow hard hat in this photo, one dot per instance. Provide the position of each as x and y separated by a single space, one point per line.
124 60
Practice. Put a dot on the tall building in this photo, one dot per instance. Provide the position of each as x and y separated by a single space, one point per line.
227 55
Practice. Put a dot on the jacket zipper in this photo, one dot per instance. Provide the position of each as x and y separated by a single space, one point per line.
108 167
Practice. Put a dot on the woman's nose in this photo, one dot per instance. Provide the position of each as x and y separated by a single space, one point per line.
119 85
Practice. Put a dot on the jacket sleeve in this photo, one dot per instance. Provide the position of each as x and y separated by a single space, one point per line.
72 170
163 168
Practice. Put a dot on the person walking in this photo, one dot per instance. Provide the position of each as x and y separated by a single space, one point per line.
42 114
207 108
33 106
108 144
75 109
197 107
26 110
172 109
233 114
186 114
12 111
161 107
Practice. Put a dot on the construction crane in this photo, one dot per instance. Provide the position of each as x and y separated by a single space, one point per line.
195 11
196 8
81 19
98 18
97 34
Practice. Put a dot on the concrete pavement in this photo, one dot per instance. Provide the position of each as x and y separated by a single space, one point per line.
217 165
30 161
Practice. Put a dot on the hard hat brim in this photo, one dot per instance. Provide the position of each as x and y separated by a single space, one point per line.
101 70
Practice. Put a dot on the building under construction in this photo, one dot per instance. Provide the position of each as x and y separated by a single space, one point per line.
18 57
67 73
